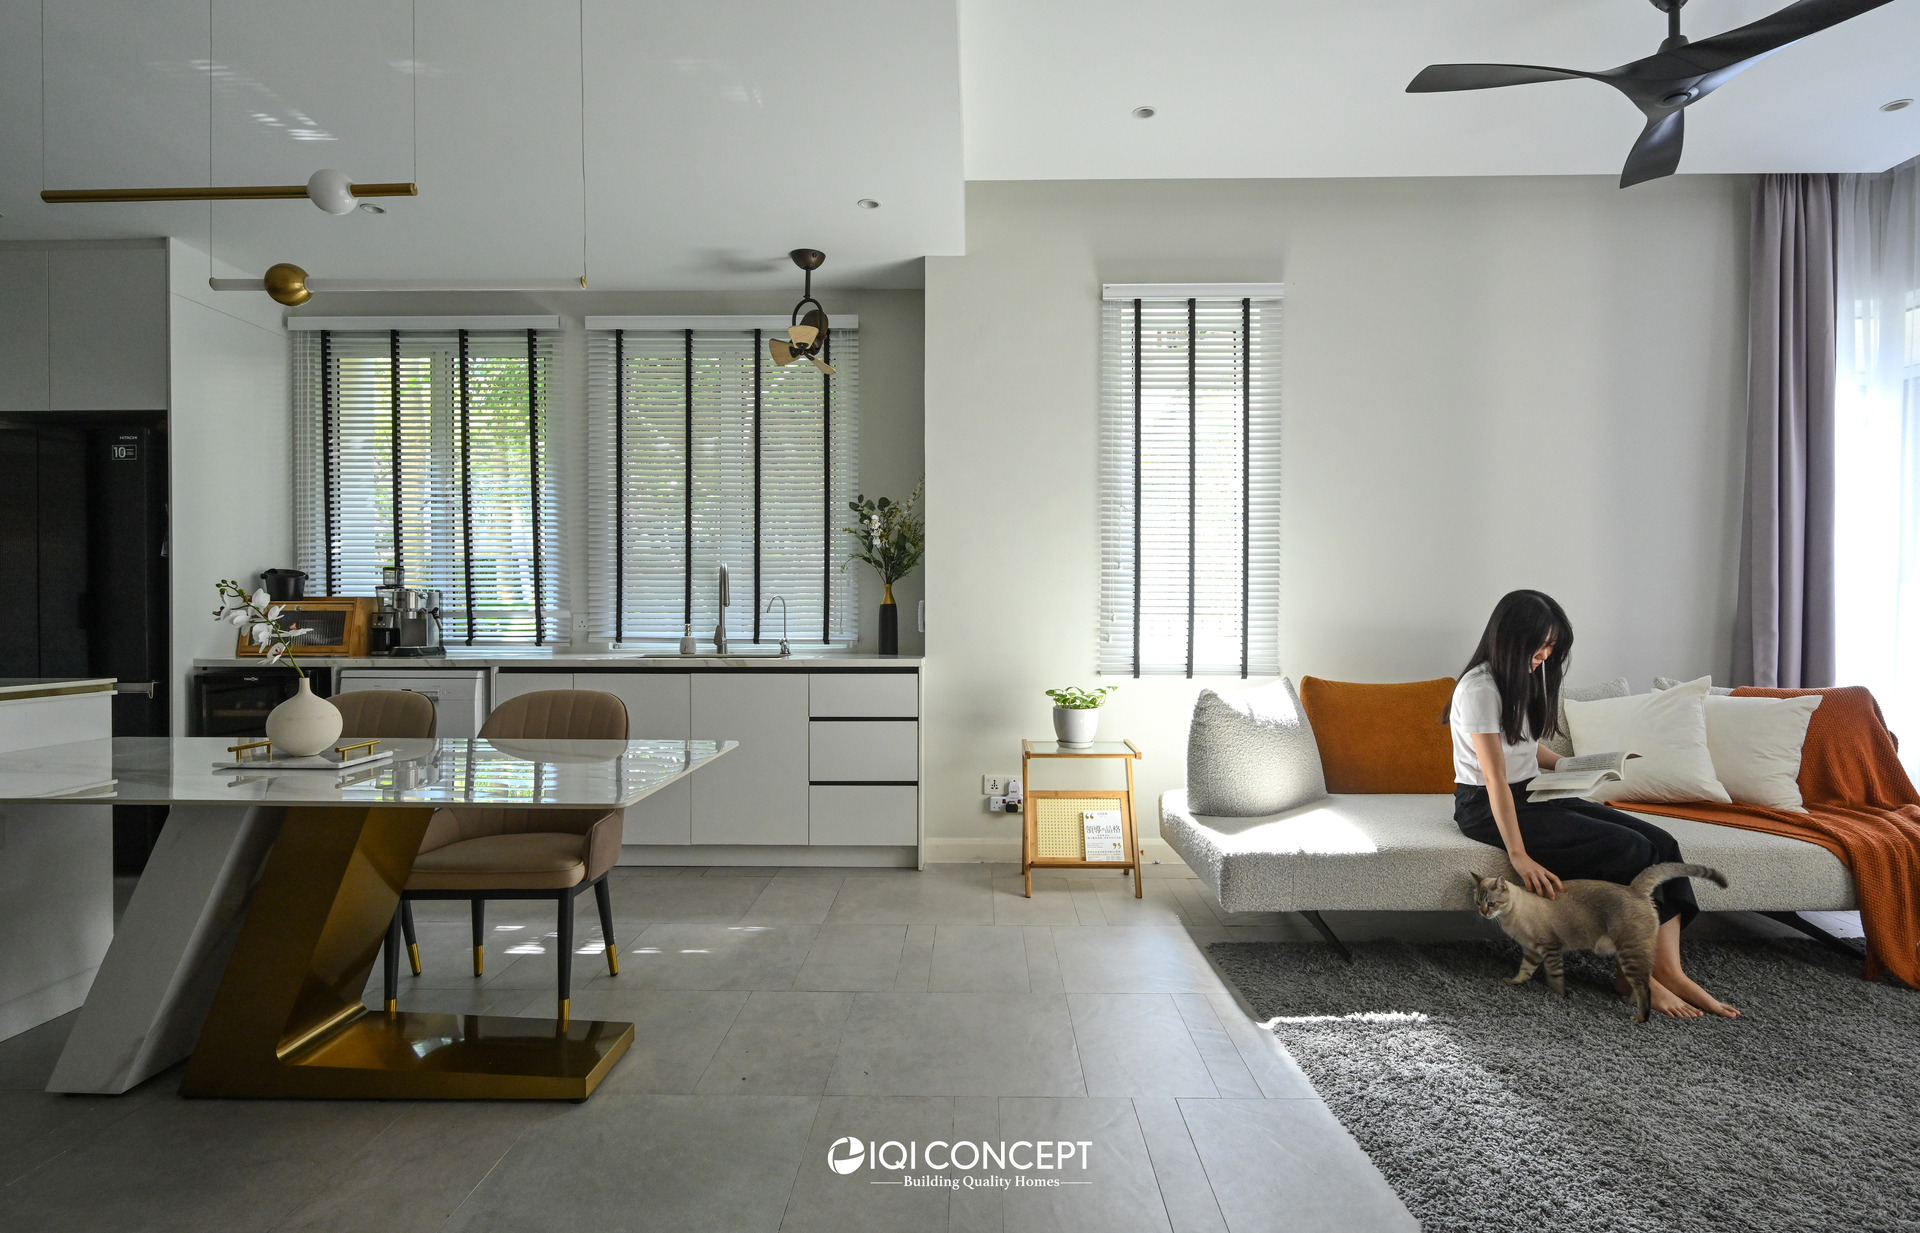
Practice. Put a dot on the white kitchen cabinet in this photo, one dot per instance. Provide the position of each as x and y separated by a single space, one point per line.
864 695
759 793
659 707
23 330
865 814
864 751
107 329
513 684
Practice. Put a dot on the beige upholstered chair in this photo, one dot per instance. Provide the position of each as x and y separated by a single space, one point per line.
481 854
397 714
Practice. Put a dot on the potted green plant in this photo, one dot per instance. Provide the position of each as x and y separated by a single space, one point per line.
1076 714
892 538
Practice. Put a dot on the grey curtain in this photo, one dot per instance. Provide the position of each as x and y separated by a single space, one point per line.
1784 618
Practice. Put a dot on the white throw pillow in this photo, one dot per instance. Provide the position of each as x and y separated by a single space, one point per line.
1755 744
1667 682
1562 742
1667 729
1252 754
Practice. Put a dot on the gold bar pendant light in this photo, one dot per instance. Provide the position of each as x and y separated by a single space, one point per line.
263 192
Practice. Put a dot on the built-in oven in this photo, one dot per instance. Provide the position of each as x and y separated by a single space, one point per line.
236 701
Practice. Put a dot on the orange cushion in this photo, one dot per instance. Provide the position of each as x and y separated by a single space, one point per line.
1381 738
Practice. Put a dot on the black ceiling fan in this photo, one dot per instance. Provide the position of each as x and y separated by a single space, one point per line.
1663 84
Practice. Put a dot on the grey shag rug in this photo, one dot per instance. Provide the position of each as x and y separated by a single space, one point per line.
1490 1107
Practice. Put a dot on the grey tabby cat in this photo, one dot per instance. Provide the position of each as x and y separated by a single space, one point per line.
1603 917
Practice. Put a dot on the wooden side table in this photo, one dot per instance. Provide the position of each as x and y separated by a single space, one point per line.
1052 837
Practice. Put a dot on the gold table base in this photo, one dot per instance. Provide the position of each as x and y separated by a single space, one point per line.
288 1020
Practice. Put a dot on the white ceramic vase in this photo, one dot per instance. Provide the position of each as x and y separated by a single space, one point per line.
303 725
1076 726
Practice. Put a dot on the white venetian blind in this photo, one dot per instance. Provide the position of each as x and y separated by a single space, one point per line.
1190 483
427 449
701 453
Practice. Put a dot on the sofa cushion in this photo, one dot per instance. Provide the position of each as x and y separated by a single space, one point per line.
1252 753
1384 852
540 860
1667 729
1381 738
1562 741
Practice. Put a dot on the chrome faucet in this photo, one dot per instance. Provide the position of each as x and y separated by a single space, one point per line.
726 601
785 650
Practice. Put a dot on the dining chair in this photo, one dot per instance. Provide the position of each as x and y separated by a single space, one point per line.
391 714
480 854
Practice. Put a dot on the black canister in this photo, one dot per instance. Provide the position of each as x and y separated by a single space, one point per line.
284 583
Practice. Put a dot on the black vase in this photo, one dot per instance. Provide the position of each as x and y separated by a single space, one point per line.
889 624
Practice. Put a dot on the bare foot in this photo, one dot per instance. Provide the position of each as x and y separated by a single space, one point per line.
1683 985
1671 1004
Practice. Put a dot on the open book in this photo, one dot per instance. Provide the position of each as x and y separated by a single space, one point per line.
1578 776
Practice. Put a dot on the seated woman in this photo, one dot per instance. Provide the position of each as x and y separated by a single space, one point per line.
1509 696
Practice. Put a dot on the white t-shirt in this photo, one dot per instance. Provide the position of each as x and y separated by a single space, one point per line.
1476 708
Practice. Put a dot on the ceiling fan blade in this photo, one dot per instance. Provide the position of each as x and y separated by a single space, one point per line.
822 365
802 334
782 351
1436 78
1657 152
1770 33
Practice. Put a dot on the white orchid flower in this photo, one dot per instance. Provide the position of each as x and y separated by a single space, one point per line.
274 653
237 617
273 613
260 598
262 633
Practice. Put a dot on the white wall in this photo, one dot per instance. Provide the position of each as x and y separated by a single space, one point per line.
1490 383
229 450
892 334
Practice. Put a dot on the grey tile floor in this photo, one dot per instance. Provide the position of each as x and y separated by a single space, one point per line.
776 1012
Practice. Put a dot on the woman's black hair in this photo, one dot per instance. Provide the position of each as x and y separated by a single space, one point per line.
1522 623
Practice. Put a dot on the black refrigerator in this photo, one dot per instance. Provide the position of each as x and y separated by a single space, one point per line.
83 571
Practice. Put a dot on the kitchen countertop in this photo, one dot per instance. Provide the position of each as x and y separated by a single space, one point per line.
538 658
14 687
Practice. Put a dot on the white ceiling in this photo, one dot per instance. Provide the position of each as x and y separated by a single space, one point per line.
721 133
1317 88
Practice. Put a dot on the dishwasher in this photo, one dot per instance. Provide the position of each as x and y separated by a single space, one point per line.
459 695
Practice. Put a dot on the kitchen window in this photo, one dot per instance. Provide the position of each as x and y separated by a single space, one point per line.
702 452
1190 480
427 449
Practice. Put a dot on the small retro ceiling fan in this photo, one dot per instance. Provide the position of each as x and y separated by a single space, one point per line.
807 335
1665 83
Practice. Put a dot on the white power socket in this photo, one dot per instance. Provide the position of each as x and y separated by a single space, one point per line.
994 785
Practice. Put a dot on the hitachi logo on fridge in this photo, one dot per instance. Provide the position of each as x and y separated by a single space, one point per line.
850 1155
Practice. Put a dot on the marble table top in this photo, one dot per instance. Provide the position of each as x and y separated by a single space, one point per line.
432 773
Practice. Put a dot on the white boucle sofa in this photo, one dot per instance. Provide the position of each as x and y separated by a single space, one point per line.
1402 852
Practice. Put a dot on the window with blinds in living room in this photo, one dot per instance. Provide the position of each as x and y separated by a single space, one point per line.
1190 480
428 450
702 452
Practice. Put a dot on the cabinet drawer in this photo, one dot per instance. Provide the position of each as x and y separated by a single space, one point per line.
862 815
884 750
864 694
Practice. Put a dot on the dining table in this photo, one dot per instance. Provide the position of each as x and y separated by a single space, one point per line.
250 937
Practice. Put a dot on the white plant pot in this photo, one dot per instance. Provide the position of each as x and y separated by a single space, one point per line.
1076 726
303 725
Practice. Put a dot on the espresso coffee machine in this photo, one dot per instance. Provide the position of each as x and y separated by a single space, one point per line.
407 625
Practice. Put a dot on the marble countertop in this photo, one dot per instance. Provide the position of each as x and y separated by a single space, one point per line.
431 773
536 659
53 686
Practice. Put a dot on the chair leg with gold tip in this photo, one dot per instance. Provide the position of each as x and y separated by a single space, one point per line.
392 965
479 937
565 955
413 939
604 898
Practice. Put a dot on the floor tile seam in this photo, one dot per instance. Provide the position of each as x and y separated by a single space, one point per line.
819 1111
719 1044
1201 1158
491 1170
1133 1104
126 1107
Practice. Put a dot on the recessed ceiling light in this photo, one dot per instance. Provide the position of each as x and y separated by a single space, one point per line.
1143 113
867 203
1899 104
371 208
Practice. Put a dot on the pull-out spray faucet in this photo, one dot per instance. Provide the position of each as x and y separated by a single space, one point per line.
726 601
785 650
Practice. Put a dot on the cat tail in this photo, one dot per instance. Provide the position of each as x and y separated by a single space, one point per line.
1654 875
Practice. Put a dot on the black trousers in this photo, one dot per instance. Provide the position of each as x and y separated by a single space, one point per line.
1581 839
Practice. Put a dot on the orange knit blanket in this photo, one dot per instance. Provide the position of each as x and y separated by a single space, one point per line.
1861 806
